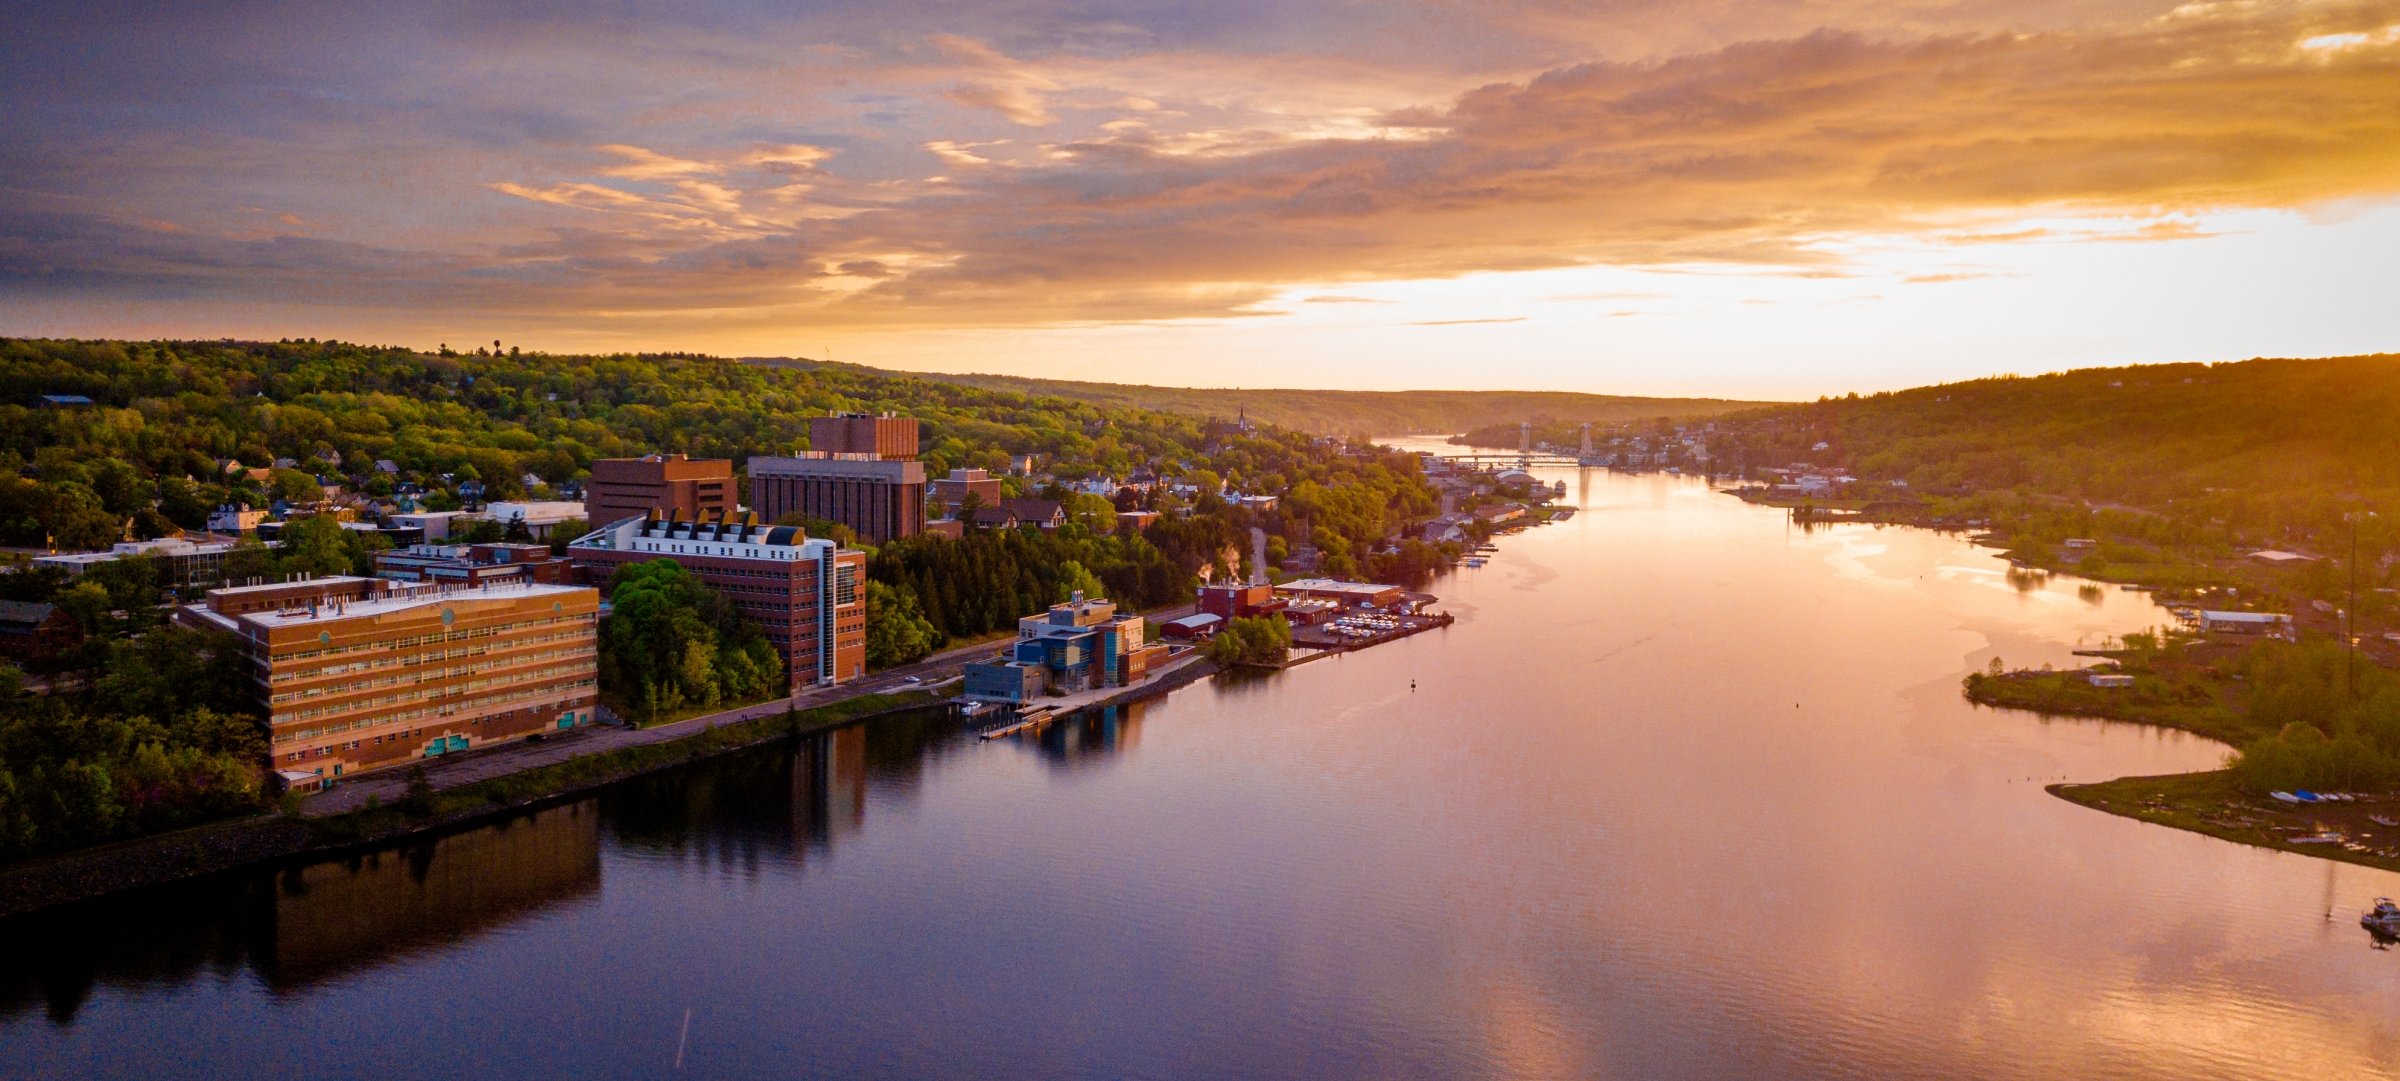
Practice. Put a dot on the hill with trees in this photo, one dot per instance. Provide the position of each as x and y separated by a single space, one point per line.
1330 412
2258 451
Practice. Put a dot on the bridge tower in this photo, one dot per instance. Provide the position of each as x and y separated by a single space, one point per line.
1587 439
1525 443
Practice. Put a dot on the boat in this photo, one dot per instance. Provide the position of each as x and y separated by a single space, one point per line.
2285 797
2318 839
2382 821
2383 919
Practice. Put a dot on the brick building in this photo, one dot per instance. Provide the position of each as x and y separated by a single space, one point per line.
881 499
809 595
36 632
886 437
363 673
860 470
952 490
633 487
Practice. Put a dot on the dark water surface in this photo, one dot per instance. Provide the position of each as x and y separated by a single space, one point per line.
1686 793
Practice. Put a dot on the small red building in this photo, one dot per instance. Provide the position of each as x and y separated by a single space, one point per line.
1236 599
35 632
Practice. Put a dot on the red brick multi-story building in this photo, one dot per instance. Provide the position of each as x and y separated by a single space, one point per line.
953 490
886 437
633 487
808 594
860 471
880 500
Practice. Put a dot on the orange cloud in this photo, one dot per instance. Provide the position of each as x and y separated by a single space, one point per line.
1185 183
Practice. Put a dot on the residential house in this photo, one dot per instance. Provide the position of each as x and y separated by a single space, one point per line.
31 631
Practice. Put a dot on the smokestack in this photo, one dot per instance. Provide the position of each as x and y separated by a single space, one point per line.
1258 556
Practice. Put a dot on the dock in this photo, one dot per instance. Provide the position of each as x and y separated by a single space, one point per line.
1331 639
1032 716
1029 718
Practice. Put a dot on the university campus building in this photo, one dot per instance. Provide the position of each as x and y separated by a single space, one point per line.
860 471
1077 646
634 487
809 595
362 673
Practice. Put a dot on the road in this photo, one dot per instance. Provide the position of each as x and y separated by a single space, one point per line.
469 767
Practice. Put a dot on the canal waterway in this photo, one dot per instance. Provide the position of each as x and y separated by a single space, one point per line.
1687 792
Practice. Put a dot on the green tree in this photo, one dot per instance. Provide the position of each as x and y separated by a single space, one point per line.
76 520
1251 640
122 488
319 545
1073 579
897 632
87 602
671 642
294 486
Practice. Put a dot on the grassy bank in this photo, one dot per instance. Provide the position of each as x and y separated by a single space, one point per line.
2183 695
2274 701
2213 804
377 822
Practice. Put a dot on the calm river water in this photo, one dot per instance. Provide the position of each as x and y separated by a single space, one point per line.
1685 793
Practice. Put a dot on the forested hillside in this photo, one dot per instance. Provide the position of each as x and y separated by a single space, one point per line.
169 409
164 415
1338 412
2268 449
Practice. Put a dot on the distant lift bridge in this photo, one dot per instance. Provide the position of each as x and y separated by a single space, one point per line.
1525 456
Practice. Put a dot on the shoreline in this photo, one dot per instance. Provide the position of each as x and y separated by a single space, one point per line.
280 839
2203 801
276 839
2207 803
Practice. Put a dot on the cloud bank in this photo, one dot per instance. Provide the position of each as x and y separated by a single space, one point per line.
1150 163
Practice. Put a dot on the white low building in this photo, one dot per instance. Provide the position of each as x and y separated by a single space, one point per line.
190 564
540 516
2274 623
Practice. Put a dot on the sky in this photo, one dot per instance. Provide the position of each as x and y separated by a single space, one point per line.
1710 197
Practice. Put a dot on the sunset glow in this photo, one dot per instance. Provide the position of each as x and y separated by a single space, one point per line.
1717 198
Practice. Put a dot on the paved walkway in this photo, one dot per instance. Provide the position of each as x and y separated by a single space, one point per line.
469 767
